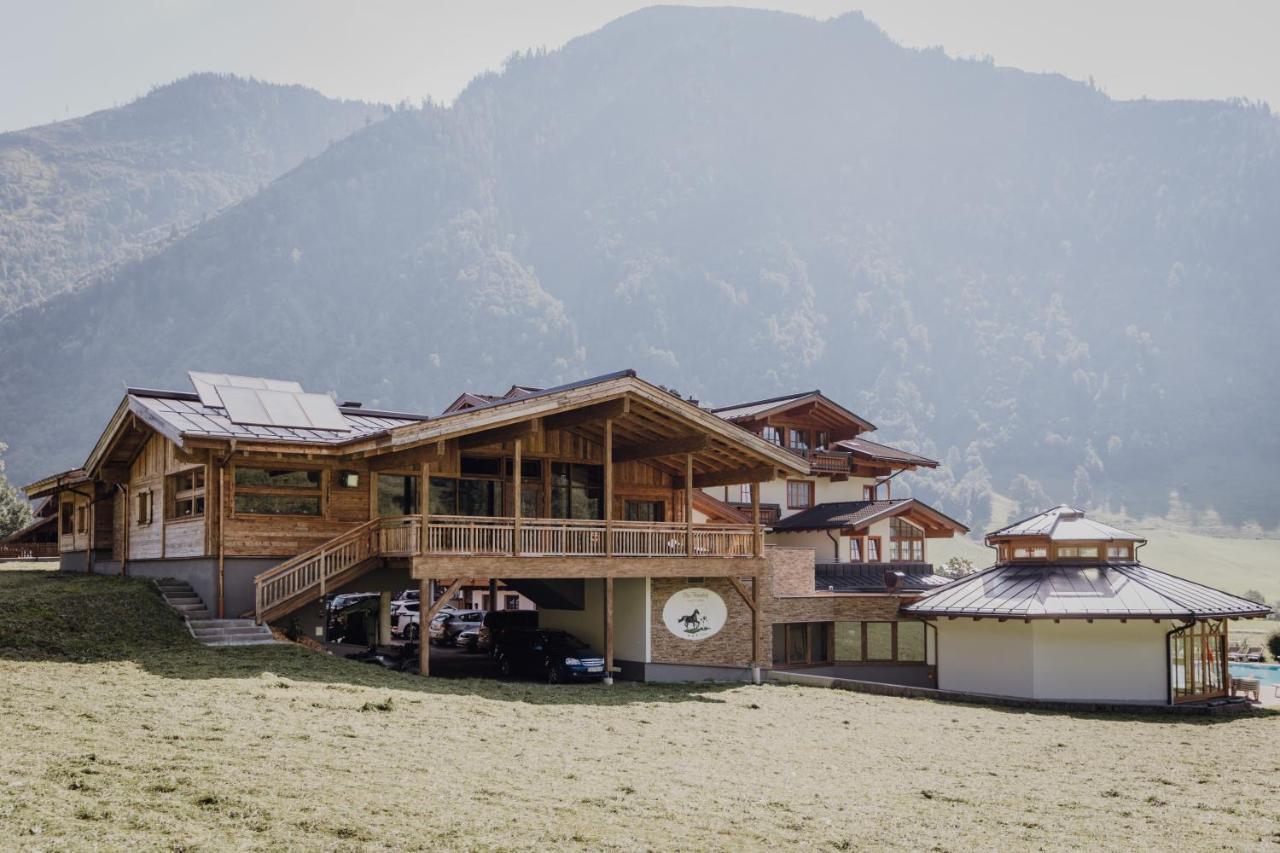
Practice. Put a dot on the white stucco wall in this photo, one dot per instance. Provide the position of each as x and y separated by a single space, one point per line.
1073 660
631 619
586 624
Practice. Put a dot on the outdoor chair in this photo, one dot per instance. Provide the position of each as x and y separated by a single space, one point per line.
1246 686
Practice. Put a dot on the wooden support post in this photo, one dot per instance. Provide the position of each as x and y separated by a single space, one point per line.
608 494
493 594
384 618
757 539
516 499
608 629
424 510
688 504
753 604
424 646
222 540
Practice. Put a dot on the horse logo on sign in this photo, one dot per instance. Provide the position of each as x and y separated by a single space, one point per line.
694 613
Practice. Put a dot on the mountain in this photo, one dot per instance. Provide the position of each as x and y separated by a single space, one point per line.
80 195
1062 296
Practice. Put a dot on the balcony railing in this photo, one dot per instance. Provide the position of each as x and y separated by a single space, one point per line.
823 461
465 535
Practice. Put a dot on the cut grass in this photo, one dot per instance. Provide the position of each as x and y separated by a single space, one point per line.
180 746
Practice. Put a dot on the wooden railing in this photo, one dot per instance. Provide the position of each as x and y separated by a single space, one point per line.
310 571
28 550
468 535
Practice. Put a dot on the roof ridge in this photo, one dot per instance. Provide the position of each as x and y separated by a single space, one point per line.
766 400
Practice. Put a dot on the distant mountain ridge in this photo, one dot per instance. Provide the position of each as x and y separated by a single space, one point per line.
77 196
1061 296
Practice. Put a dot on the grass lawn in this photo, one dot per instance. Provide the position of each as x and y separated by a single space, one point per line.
119 730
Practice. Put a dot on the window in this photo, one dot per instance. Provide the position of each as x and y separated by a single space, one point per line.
799 494
465 496
82 519
744 493
798 439
880 642
531 496
802 643
906 541
823 439
773 435
397 494
68 518
855 549
1120 552
1088 552
644 511
868 493
277 491
510 602
143 504
577 490
873 549
186 494
1030 552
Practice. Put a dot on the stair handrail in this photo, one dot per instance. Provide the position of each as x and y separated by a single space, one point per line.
307 558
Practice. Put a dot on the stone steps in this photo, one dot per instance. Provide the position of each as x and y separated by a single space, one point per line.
202 624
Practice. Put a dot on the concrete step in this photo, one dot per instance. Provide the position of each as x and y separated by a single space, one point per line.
175 587
197 614
184 599
222 623
242 641
189 607
256 631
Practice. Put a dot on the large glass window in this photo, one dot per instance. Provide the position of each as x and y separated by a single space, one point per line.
802 643
848 640
186 494
906 541
530 487
910 641
397 494
277 491
1198 661
465 496
880 642
577 490
644 511
799 494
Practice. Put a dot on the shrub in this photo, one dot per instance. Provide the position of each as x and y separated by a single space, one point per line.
1273 645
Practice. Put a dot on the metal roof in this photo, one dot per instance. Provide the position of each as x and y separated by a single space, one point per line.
746 410
869 577
1073 591
180 413
840 514
875 450
1066 524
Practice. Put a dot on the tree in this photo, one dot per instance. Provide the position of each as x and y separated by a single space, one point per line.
15 512
1273 645
1254 595
956 567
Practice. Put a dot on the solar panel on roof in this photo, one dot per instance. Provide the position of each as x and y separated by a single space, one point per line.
282 409
207 385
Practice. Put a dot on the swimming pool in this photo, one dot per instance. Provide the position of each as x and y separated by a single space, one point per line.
1267 673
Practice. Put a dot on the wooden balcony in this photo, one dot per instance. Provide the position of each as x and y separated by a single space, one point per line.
824 461
461 536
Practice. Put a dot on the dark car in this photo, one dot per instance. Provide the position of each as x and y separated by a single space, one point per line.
556 656
446 626
498 622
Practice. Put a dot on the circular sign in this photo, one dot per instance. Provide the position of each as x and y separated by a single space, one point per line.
695 613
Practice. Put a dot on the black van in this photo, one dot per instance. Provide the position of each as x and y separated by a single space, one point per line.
496 622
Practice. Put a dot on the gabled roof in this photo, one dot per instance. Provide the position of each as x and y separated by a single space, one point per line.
1065 524
716 509
859 514
468 400
778 405
29 528
877 452
1073 591
56 482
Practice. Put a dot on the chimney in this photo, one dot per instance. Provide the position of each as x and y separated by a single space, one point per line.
892 580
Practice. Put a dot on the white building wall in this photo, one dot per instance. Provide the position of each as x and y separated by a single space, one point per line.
986 657
631 619
1073 660
1105 661
586 624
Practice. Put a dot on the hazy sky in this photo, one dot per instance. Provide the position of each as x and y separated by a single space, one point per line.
62 58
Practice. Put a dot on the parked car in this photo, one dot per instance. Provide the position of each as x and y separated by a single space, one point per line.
408 596
447 625
497 622
356 621
468 638
404 621
557 656
346 599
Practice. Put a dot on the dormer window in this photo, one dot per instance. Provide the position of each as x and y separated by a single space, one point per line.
1120 552
1030 552
1078 552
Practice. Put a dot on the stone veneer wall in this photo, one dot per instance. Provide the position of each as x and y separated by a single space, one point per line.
789 597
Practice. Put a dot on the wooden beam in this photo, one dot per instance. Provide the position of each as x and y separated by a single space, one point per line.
410 458
588 414
424 645
742 591
688 505
516 508
757 540
662 447
729 478
608 499
437 605
608 628
499 435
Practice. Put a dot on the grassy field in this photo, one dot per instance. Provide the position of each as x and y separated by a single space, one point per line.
121 731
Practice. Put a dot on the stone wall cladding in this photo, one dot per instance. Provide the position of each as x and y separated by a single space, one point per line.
792 570
786 569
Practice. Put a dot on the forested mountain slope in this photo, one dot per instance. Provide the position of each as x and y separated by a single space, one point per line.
1062 296
79 195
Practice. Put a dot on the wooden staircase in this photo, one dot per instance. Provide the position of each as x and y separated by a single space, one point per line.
306 577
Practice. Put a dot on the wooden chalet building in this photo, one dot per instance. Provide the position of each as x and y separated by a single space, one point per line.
597 500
